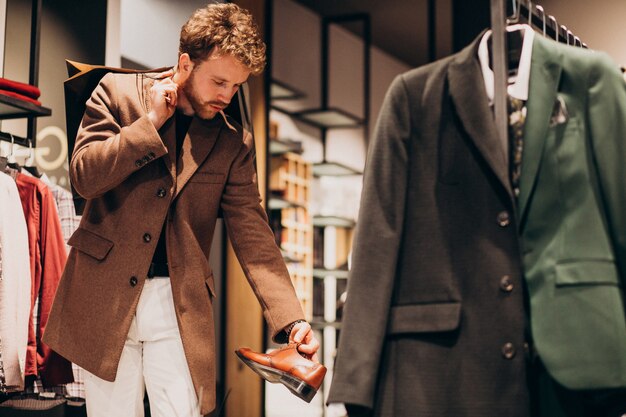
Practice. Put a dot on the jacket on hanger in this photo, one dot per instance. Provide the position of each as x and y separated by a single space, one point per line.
434 323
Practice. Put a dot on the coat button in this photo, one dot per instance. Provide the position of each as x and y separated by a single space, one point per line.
133 281
506 285
161 192
508 350
504 219
147 238
139 162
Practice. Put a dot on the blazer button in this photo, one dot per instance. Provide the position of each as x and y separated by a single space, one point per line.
504 219
505 284
508 350
147 238
161 192
133 281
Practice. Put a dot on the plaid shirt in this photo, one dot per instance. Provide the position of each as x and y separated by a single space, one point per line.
69 223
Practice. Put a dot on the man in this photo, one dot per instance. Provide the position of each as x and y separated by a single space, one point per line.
157 156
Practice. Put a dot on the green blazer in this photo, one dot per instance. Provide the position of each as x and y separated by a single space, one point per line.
572 214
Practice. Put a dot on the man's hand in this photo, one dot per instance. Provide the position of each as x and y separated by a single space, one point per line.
163 99
302 333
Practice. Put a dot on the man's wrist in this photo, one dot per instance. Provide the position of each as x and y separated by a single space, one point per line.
290 327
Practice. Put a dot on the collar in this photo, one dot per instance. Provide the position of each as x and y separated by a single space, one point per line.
518 86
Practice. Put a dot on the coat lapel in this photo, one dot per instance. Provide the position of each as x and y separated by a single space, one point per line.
545 73
168 135
472 105
198 143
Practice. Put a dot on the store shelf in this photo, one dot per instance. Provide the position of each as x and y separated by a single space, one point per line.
337 273
278 203
282 91
14 108
282 146
333 169
329 118
336 221
289 257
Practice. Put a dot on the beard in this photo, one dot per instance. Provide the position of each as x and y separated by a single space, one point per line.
201 109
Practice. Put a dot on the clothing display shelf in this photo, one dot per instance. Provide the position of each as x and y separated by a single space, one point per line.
290 180
337 273
330 117
282 91
336 221
15 108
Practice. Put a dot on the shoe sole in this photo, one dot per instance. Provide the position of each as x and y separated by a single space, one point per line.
298 387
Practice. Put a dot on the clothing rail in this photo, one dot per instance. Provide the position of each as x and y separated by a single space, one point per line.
535 15
18 140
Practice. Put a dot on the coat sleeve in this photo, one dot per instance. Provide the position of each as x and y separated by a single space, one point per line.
607 120
375 254
106 152
254 245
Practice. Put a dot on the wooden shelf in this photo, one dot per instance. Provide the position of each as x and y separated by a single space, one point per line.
14 108
337 273
336 221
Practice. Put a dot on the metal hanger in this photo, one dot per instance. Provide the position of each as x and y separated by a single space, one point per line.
29 163
565 33
543 20
11 161
516 13
556 27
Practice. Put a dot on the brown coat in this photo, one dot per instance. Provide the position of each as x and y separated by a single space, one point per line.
121 165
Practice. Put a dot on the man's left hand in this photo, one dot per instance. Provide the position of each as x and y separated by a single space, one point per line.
303 334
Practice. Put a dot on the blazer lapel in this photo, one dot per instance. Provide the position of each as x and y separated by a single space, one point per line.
545 74
168 135
472 106
198 143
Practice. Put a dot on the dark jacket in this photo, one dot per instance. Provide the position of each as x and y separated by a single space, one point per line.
434 323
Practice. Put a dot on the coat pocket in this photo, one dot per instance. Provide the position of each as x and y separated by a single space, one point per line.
587 272
424 318
90 243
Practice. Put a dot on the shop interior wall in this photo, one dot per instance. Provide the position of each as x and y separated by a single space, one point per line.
601 24
69 29
296 61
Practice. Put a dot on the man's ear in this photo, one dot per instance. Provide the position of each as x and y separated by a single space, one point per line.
185 66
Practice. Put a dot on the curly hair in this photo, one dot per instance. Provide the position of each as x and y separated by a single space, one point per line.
227 27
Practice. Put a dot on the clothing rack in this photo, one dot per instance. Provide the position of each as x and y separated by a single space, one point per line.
18 140
33 79
535 16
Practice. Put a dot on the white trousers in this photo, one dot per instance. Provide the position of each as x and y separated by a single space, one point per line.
153 358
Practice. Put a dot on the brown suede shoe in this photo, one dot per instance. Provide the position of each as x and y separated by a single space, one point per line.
302 376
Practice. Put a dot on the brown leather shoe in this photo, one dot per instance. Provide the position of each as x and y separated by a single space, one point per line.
302 376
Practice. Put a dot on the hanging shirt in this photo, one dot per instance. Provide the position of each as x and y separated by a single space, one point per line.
47 260
15 286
